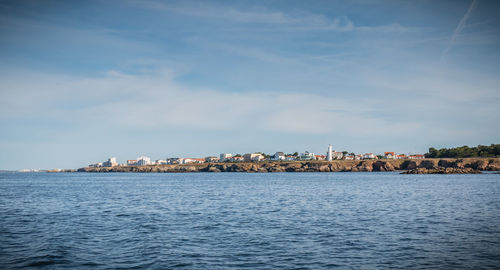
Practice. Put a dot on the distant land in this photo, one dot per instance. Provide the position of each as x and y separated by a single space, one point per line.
422 166
479 158
445 160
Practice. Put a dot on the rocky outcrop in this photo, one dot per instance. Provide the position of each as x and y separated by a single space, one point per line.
442 171
415 166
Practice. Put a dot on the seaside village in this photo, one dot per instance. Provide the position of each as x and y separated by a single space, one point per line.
257 157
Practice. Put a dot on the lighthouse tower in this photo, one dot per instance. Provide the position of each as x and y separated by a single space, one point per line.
329 153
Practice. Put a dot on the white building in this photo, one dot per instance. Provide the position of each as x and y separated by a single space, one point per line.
143 160
253 157
319 157
160 162
111 162
173 160
191 160
390 155
96 165
337 155
225 157
236 159
278 156
369 156
329 153
131 162
211 159
306 156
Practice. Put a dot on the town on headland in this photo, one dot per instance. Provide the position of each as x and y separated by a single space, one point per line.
443 161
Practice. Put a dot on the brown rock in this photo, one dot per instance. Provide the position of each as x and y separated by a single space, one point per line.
325 168
442 171
428 164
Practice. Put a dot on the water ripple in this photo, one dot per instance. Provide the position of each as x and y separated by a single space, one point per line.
253 221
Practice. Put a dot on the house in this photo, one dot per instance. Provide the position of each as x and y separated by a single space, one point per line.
390 155
96 165
402 156
191 160
319 157
290 158
252 157
416 157
111 162
131 162
369 156
358 157
236 159
160 162
211 159
349 157
172 160
143 160
337 155
225 157
306 156
278 156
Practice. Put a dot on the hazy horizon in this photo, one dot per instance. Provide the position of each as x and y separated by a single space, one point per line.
84 81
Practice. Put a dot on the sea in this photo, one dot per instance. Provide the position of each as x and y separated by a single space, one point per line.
378 220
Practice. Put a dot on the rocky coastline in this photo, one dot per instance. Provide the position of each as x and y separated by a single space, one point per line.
424 166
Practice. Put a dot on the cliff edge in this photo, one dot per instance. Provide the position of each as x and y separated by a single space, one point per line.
461 165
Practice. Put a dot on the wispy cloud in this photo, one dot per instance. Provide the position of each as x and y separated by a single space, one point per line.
294 21
459 28
147 101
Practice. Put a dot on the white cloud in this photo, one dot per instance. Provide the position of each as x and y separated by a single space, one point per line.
157 100
294 21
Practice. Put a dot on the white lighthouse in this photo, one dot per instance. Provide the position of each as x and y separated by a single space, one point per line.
329 153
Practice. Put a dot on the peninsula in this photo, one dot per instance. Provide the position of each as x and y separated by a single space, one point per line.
421 166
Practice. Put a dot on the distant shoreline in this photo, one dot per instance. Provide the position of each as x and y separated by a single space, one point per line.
432 165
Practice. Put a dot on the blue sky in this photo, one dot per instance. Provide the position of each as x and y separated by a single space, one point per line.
81 81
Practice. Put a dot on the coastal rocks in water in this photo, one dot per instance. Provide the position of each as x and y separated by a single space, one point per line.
442 171
213 169
382 166
293 167
409 165
448 165
325 168
428 164
479 165
365 166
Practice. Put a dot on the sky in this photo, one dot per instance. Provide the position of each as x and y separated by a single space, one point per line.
82 81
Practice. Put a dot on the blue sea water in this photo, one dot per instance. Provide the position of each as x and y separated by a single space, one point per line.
254 221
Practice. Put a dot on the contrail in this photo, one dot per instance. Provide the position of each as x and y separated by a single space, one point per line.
459 28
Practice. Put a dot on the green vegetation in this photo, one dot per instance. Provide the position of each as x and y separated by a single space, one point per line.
465 151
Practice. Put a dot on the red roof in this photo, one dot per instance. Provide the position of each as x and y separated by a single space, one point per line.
387 153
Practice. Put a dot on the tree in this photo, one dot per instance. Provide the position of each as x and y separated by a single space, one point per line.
432 153
465 151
